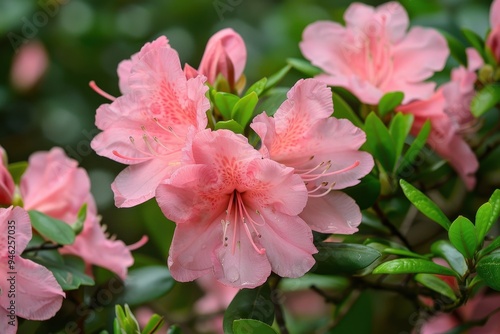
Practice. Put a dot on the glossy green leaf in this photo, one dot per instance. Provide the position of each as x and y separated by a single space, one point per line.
243 109
51 228
304 66
343 258
462 235
80 219
475 40
403 252
483 221
17 170
250 304
414 150
146 284
257 88
174 329
485 99
495 207
153 325
275 78
343 110
494 245
225 103
454 258
399 129
379 142
366 192
457 49
389 102
231 125
272 100
252 326
436 284
424 204
70 274
412 266
488 268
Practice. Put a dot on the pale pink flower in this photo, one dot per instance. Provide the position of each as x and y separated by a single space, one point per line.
493 40
147 127
374 55
27 289
29 65
449 112
54 185
226 55
7 185
323 150
236 214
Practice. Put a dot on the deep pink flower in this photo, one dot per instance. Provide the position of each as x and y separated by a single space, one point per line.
27 289
54 185
226 55
493 40
374 55
449 112
323 150
147 127
7 185
236 214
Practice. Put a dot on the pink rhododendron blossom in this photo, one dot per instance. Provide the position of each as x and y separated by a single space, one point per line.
236 214
54 185
373 55
29 65
148 127
449 112
7 185
27 289
493 40
226 55
323 150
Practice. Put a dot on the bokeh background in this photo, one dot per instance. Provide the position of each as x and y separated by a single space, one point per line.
68 43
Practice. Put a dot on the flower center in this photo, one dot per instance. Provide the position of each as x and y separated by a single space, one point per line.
238 215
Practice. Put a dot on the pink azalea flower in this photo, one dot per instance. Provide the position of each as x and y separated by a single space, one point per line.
54 185
148 127
323 150
7 185
493 40
226 55
29 65
449 112
236 214
27 289
374 55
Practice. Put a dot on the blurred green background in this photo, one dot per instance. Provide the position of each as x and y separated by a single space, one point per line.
85 40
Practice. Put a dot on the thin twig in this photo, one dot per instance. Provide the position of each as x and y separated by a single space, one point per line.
391 227
44 246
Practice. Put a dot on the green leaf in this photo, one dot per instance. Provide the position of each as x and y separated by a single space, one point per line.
250 304
80 219
379 142
457 49
488 268
389 102
485 99
412 266
462 235
475 40
414 150
146 284
403 252
495 206
257 88
304 66
366 192
424 204
454 258
251 326
174 329
51 228
154 324
243 109
70 275
274 79
494 245
436 284
343 110
343 258
272 100
399 129
225 103
483 221
231 125
17 170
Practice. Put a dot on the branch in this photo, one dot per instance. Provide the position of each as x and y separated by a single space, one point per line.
391 227
45 246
